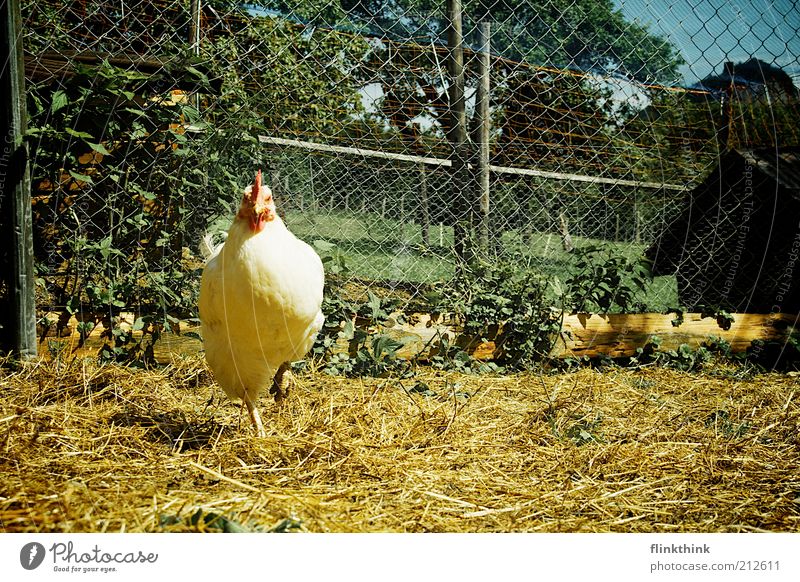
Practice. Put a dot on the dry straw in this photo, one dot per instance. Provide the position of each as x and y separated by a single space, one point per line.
88 448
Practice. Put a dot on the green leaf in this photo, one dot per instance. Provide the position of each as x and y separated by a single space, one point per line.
78 134
349 330
73 305
59 101
146 194
197 73
323 245
216 521
81 177
287 525
99 148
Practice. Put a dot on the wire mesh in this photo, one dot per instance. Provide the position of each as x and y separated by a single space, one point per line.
149 117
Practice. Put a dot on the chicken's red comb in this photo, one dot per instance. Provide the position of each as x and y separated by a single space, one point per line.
257 186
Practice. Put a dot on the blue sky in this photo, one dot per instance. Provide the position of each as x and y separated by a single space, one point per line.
709 32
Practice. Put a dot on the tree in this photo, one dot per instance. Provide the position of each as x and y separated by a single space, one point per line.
587 34
292 79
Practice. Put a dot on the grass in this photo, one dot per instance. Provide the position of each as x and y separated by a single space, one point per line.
90 448
384 249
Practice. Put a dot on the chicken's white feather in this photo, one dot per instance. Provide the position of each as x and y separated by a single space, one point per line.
208 248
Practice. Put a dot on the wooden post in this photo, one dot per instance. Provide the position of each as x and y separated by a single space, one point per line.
194 38
484 128
457 132
314 204
566 238
426 212
19 314
194 27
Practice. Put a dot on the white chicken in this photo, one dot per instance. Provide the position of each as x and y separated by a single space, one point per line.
260 300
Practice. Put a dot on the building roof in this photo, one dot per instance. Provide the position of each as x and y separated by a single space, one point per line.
782 165
753 75
734 244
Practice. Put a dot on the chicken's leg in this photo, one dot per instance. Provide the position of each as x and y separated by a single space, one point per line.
255 417
281 382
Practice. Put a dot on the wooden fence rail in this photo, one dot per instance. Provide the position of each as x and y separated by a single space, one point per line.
615 335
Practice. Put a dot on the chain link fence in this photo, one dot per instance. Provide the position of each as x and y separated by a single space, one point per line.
596 120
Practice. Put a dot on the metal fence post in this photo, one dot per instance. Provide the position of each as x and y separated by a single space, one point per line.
19 318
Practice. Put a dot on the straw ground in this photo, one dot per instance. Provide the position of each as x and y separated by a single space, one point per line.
89 448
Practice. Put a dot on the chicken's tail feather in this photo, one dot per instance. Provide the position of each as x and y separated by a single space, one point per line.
208 248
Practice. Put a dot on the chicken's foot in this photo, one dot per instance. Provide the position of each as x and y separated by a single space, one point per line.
255 417
281 383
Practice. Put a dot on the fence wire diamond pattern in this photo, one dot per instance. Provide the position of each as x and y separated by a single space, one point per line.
148 117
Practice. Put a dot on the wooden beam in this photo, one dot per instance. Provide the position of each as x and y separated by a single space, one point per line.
61 335
615 335
50 67
619 335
